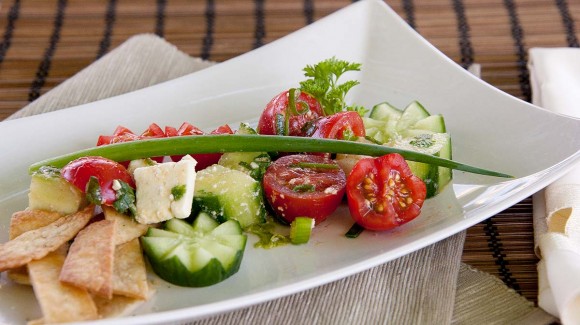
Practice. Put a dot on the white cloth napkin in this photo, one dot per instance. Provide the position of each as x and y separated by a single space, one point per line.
555 78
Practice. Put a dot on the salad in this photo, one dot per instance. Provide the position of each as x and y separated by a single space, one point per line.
187 199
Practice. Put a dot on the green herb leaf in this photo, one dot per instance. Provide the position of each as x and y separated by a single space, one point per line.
93 191
125 199
323 84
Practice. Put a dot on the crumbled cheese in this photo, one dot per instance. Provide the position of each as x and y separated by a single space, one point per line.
330 190
155 202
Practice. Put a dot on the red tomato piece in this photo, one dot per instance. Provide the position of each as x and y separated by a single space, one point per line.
153 131
307 109
203 159
293 191
188 129
383 193
341 126
79 171
120 130
121 134
170 131
224 129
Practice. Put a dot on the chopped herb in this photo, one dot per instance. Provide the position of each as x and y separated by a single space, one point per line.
281 127
313 165
354 231
304 188
93 191
323 85
257 168
48 171
349 135
423 141
125 199
267 235
178 191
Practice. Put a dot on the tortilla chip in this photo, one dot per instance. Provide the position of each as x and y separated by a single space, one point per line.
59 302
89 263
130 274
36 244
127 228
27 220
119 306
21 222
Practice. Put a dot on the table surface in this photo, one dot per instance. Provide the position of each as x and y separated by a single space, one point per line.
44 42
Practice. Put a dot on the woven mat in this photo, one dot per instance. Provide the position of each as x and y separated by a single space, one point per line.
45 42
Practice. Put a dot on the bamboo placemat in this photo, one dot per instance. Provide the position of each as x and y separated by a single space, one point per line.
44 42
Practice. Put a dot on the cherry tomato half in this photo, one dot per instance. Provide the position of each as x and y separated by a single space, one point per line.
79 171
304 186
341 126
383 193
203 159
307 109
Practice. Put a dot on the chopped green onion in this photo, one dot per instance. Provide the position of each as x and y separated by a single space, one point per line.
300 230
314 165
354 231
304 188
248 143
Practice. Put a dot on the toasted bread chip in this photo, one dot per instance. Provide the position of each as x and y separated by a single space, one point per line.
130 274
127 228
119 306
21 222
89 263
58 301
27 220
36 244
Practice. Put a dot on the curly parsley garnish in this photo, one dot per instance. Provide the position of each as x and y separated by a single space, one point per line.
324 86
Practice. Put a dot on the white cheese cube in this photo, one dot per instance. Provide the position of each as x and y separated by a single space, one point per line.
165 191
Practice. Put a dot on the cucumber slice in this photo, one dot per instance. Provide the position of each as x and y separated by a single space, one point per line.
437 144
228 194
384 112
411 115
195 255
433 123
251 163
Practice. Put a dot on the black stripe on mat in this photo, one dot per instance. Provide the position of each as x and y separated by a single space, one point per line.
260 31
44 66
496 247
409 8
518 37
209 29
309 11
464 38
568 22
160 18
13 14
108 32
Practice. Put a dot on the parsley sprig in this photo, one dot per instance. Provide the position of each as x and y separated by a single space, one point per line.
323 84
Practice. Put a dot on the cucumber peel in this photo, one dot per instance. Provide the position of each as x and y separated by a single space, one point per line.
249 143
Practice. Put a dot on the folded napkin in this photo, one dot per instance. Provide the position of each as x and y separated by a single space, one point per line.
419 288
555 77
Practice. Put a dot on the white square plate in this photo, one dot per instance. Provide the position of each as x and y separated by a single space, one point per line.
490 129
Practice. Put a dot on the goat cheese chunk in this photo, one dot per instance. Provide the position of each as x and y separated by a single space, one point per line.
165 191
